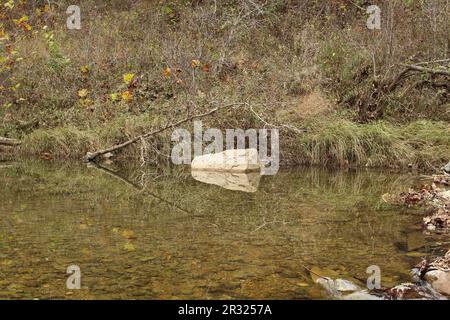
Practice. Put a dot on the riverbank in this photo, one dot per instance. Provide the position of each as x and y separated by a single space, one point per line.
138 66
423 145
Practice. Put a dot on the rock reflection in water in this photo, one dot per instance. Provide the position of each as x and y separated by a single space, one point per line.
246 182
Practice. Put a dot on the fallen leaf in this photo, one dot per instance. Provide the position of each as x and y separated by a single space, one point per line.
127 96
83 93
167 72
129 246
114 96
85 69
128 78
21 20
129 234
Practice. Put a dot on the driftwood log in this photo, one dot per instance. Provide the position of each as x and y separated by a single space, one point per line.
92 156
408 68
9 142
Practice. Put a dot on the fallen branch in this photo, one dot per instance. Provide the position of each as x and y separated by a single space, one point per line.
9 142
417 68
91 156
427 70
432 62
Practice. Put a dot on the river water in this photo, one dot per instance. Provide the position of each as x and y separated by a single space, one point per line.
142 233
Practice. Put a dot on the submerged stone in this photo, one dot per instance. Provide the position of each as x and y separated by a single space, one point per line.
337 287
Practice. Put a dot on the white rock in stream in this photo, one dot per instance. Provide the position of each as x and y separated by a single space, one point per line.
337 287
234 160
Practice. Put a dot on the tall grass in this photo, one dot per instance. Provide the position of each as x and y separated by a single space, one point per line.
335 143
339 142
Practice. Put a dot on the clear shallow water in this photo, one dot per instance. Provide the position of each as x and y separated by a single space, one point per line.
163 235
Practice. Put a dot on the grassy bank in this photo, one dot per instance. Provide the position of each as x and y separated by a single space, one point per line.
308 64
338 142
420 144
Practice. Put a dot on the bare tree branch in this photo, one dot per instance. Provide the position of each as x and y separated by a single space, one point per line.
91 156
426 70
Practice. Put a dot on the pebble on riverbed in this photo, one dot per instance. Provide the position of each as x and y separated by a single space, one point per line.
437 273
439 280
346 290
432 282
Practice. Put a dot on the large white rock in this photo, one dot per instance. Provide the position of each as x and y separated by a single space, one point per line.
439 280
234 160
246 182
